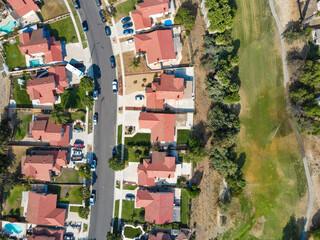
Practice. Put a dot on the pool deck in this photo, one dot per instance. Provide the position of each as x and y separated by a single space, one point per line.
5 22
24 226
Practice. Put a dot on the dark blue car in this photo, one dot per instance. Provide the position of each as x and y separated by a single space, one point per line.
113 61
76 4
102 16
125 20
85 26
108 30
128 31
127 25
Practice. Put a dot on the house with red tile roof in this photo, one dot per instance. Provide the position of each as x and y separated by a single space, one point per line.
42 210
160 166
46 90
46 234
23 7
160 236
158 206
147 10
44 130
162 125
41 164
36 45
157 45
165 87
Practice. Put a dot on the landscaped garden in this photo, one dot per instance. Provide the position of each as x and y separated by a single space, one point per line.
131 214
20 129
52 8
63 30
66 194
131 232
14 58
20 95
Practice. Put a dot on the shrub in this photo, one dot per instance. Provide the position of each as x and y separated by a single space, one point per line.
87 83
116 164
84 212
84 171
84 192
185 17
193 191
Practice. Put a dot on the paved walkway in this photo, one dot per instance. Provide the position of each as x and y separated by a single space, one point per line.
286 81
74 21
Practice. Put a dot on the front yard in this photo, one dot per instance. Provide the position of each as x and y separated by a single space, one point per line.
20 95
20 129
66 194
131 214
68 175
140 139
52 8
123 9
14 58
136 154
63 30
72 98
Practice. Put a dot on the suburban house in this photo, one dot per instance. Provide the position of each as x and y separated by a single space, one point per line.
158 46
160 166
165 87
46 90
46 234
42 210
162 125
41 164
44 130
39 48
26 9
160 236
158 206
146 13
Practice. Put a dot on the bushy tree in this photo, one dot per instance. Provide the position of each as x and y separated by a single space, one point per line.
116 164
193 191
231 98
84 212
221 159
311 74
184 16
315 234
113 236
84 192
215 90
88 101
87 83
296 32
59 115
84 171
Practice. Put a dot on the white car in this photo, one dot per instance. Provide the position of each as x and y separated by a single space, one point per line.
129 41
115 86
95 119
93 165
95 95
92 199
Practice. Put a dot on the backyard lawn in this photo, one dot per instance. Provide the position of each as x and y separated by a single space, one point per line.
136 154
129 213
123 9
68 175
72 98
66 194
20 130
20 94
13 200
14 58
184 207
183 136
78 115
63 30
140 139
53 8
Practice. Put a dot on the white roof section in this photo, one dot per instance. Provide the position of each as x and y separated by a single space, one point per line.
74 70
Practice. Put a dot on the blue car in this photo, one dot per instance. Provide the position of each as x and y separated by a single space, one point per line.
113 61
76 4
102 16
127 25
125 20
128 31
85 26
108 31
98 3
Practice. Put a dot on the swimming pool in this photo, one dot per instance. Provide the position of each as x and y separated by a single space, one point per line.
35 63
167 22
13 228
8 27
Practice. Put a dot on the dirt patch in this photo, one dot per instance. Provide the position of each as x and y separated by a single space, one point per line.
16 152
287 11
128 66
186 59
138 82
4 93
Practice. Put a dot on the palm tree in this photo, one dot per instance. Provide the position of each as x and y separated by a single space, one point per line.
59 115
135 63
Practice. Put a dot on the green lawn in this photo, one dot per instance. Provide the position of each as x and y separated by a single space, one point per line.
123 9
20 130
119 139
137 154
116 215
72 98
20 94
131 232
129 187
140 139
78 115
66 194
79 25
183 136
53 8
68 175
74 209
12 206
184 218
63 30
14 58
273 167
129 213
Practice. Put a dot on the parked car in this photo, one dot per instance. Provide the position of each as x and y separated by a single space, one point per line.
115 86
85 26
77 152
95 118
93 165
127 25
102 16
139 97
125 20
95 95
98 2
113 61
128 31
76 4
78 144
129 41
92 199
114 151
108 30
46 111
129 197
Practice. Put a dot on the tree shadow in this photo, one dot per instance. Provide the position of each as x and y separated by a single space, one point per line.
293 229
54 33
95 70
201 130
192 6
305 9
196 178
315 221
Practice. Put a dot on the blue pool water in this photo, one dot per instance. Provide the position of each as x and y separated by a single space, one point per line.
35 63
13 228
167 22
8 27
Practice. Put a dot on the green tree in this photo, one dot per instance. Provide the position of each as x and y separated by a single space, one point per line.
59 116
87 83
311 74
113 236
193 191
116 164
184 16
232 98
85 171
88 101
221 160
315 234
84 212
297 32
84 192
135 63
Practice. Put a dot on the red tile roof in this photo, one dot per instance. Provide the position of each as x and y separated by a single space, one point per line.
34 42
167 87
46 234
158 45
42 210
41 163
161 125
158 206
160 236
160 166
22 7
141 16
60 76
45 130
42 89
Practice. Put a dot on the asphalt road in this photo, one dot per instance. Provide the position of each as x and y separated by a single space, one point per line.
104 131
